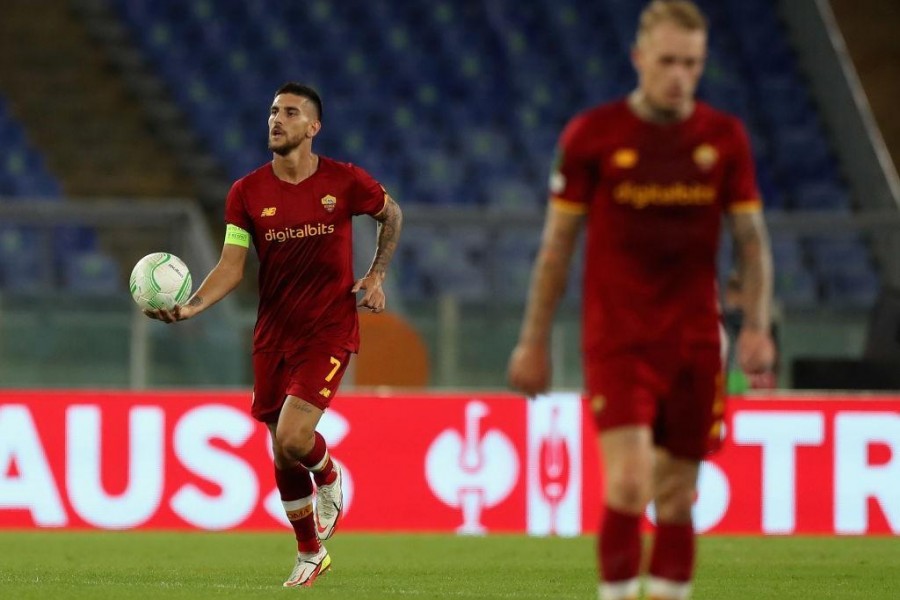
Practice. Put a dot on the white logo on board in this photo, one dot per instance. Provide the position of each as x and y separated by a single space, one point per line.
470 470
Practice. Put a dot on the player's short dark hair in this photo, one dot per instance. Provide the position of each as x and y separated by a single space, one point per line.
304 91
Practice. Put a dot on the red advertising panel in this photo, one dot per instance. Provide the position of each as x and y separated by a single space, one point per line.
466 462
811 465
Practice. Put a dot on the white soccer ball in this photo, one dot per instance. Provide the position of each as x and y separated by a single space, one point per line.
160 281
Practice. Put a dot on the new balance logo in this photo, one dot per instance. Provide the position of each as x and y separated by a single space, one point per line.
268 212
325 392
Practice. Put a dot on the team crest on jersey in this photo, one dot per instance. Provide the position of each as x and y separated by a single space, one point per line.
706 156
329 202
268 211
625 158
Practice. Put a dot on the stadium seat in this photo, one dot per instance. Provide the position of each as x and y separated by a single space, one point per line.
91 273
73 239
462 102
821 196
787 252
846 252
852 288
796 289
25 267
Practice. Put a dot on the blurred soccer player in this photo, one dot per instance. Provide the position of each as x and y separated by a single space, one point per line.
297 211
651 175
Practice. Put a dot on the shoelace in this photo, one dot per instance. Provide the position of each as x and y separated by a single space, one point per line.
300 567
329 506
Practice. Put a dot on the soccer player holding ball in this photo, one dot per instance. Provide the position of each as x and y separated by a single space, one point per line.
297 212
650 177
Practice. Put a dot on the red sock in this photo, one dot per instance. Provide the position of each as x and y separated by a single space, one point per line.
296 496
673 552
318 461
619 546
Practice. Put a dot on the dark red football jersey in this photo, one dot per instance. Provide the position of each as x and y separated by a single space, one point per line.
654 197
303 236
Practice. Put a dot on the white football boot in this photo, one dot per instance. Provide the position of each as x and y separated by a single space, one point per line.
329 503
309 566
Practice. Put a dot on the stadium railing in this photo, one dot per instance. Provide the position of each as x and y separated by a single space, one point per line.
63 336
66 332
470 340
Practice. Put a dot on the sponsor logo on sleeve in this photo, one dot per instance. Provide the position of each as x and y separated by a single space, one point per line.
557 182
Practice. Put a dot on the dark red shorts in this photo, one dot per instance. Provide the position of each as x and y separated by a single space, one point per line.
312 373
678 392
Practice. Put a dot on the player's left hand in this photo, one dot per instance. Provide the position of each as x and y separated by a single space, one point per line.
373 299
755 351
177 313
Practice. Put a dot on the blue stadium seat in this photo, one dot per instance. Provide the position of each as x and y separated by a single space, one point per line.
515 254
851 289
69 240
36 184
787 252
821 196
846 252
11 134
414 277
455 102
783 100
515 196
25 267
801 154
796 289
91 273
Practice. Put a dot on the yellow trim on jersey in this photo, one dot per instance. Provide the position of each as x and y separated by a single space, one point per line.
386 196
236 236
567 206
746 206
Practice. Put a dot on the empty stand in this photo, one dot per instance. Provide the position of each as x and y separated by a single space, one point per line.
460 103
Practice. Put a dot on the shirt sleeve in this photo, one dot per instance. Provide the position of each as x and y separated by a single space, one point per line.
236 210
369 196
573 176
740 192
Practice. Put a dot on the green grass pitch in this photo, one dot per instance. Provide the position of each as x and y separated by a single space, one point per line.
94 565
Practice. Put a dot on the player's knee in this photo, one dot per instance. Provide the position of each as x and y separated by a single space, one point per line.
281 459
295 443
628 491
675 503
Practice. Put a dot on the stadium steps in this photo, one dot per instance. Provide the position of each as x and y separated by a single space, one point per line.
168 121
93 135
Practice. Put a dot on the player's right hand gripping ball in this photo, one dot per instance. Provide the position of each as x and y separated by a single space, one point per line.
160 281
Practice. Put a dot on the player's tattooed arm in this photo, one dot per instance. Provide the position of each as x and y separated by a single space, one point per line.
390 221
529 368
550 274
195 301
754 268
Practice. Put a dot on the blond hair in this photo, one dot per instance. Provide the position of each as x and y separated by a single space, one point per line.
682 13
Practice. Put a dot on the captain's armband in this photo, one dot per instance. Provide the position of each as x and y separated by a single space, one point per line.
237 236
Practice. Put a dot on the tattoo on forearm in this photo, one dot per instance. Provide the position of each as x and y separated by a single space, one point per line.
195 301
388 234
549 277
755 270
